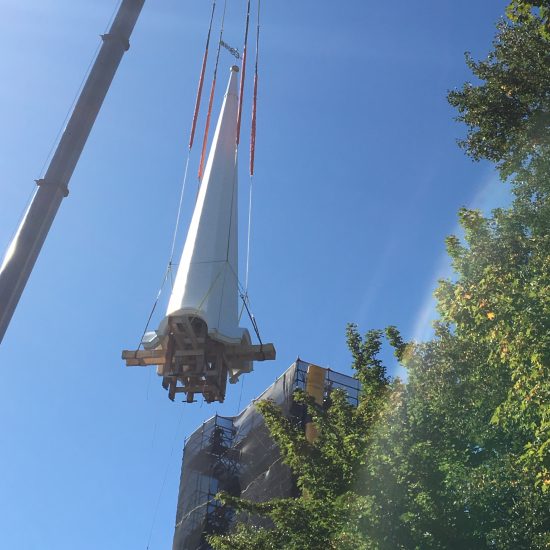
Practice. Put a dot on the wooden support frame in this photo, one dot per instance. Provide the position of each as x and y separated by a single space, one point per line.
192 362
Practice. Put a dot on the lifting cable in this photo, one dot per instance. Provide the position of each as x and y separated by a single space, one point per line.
165 477
243 73
246 303
211 99
178 216
168 272
201 79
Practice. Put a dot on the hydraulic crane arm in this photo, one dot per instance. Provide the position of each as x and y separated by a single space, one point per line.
31 234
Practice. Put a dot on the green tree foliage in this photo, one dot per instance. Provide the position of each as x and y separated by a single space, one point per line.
502 302
520 11
508 113
328 514
502 296
465 455
459 456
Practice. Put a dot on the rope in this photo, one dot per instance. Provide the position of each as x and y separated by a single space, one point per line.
211 99
240 395
201 79
233 198
246 304
153 311
164 479
251 317
178 217
169 267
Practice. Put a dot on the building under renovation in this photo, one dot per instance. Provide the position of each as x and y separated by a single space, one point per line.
237 455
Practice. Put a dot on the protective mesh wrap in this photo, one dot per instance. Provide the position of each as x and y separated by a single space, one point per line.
237 455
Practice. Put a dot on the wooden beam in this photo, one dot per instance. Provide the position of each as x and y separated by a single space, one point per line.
172 389
191 332
266 352
144 358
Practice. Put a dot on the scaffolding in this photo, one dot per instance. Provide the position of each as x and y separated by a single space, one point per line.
238 456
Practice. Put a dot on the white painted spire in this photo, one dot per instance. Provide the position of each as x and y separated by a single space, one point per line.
199 343
206 283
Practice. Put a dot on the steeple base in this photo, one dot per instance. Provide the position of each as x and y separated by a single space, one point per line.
192 362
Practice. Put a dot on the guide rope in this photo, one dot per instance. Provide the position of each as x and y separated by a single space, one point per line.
178 216
155 303
246 303
165 477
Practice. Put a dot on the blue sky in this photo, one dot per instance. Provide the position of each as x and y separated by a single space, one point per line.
358 181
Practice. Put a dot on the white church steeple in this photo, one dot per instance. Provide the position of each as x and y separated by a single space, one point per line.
199 342
206 283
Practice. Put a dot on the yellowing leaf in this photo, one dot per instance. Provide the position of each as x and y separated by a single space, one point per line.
491 315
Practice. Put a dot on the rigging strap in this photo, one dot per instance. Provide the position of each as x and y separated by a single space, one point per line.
255 97
201 79
211 99
243 72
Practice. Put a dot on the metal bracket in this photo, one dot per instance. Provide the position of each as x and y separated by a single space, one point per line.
63 188
232 51
123 40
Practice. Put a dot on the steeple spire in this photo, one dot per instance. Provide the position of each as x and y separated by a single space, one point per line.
206 283
199 342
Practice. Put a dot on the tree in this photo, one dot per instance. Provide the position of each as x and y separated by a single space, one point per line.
521 11
508 119
508 114
328 514
468 464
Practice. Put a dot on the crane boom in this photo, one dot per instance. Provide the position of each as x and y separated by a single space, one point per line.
33 230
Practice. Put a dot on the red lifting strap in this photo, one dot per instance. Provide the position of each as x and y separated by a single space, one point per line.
206 128
253 127
210 102
255 98
243 71
201 80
